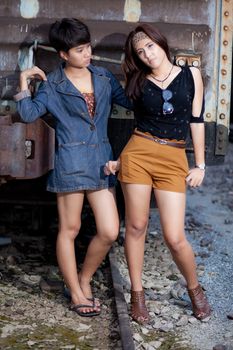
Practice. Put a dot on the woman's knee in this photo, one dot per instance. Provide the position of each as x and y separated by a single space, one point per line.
177 245
69 231
136 229
109 234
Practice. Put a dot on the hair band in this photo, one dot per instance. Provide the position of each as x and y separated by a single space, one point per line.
139 36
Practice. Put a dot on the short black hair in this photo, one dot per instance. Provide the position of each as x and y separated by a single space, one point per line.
68 33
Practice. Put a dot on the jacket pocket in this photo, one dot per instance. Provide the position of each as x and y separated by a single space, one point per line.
73 158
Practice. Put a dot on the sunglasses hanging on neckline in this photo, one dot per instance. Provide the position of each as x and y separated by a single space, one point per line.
167 106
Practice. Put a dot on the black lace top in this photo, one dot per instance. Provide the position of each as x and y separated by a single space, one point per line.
149 108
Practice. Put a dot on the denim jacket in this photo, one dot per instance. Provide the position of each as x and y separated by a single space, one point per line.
82 144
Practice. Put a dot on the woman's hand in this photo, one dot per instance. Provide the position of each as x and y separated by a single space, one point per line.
111 167
195 177
31 73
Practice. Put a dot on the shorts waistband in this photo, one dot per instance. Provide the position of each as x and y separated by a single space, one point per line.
161 141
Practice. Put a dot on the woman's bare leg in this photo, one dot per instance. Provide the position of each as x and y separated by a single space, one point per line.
103 204
69 209
172 212
171 207
137 204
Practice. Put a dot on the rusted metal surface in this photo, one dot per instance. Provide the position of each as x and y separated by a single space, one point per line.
12 158
26 150
199 32
192 27
40 138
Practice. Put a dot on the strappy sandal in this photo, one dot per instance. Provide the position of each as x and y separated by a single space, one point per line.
96 301
201 307
77 308
139 311
67 295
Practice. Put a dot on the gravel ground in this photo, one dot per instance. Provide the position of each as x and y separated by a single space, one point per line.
209 228
212 206
34 311
33 316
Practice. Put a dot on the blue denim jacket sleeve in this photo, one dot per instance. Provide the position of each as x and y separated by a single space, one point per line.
118 93
31 109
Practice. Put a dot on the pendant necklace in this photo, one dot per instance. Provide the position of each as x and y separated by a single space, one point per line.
162 80
167 107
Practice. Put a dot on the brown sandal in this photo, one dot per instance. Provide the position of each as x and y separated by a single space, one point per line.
139 311
201 307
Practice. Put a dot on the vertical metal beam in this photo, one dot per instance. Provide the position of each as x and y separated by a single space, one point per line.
224 76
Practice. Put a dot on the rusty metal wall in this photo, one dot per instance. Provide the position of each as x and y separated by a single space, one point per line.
197 30
193 27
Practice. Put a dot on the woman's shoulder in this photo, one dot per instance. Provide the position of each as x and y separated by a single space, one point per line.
191 70
195 75
191 74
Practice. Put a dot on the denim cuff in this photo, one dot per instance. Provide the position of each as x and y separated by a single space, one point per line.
21 95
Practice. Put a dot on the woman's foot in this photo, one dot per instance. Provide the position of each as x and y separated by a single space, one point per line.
86 289
139 310
83 306
201 307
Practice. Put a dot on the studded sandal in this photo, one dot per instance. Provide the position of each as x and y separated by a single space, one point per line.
201 307
139 311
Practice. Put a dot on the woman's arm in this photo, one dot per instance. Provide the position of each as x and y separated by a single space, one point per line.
196 175
198 138
31 109
31 73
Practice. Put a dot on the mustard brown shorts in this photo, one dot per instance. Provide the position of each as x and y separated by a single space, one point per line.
147 162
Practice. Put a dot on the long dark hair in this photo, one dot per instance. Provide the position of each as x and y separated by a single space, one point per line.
134 69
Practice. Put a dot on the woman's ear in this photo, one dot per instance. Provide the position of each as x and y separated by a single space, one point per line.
63 55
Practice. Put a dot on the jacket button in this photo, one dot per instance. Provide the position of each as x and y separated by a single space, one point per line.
92 127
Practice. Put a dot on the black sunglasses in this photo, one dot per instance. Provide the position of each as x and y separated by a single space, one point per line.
167 106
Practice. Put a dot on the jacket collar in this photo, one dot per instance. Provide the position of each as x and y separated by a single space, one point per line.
58 76
63 85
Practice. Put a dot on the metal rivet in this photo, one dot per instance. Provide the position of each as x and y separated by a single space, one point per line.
115 111
128 112
223 86
223 71
223 101
195 63
224 57
208 115
225 43
181 62
226 13
222 116
226 28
